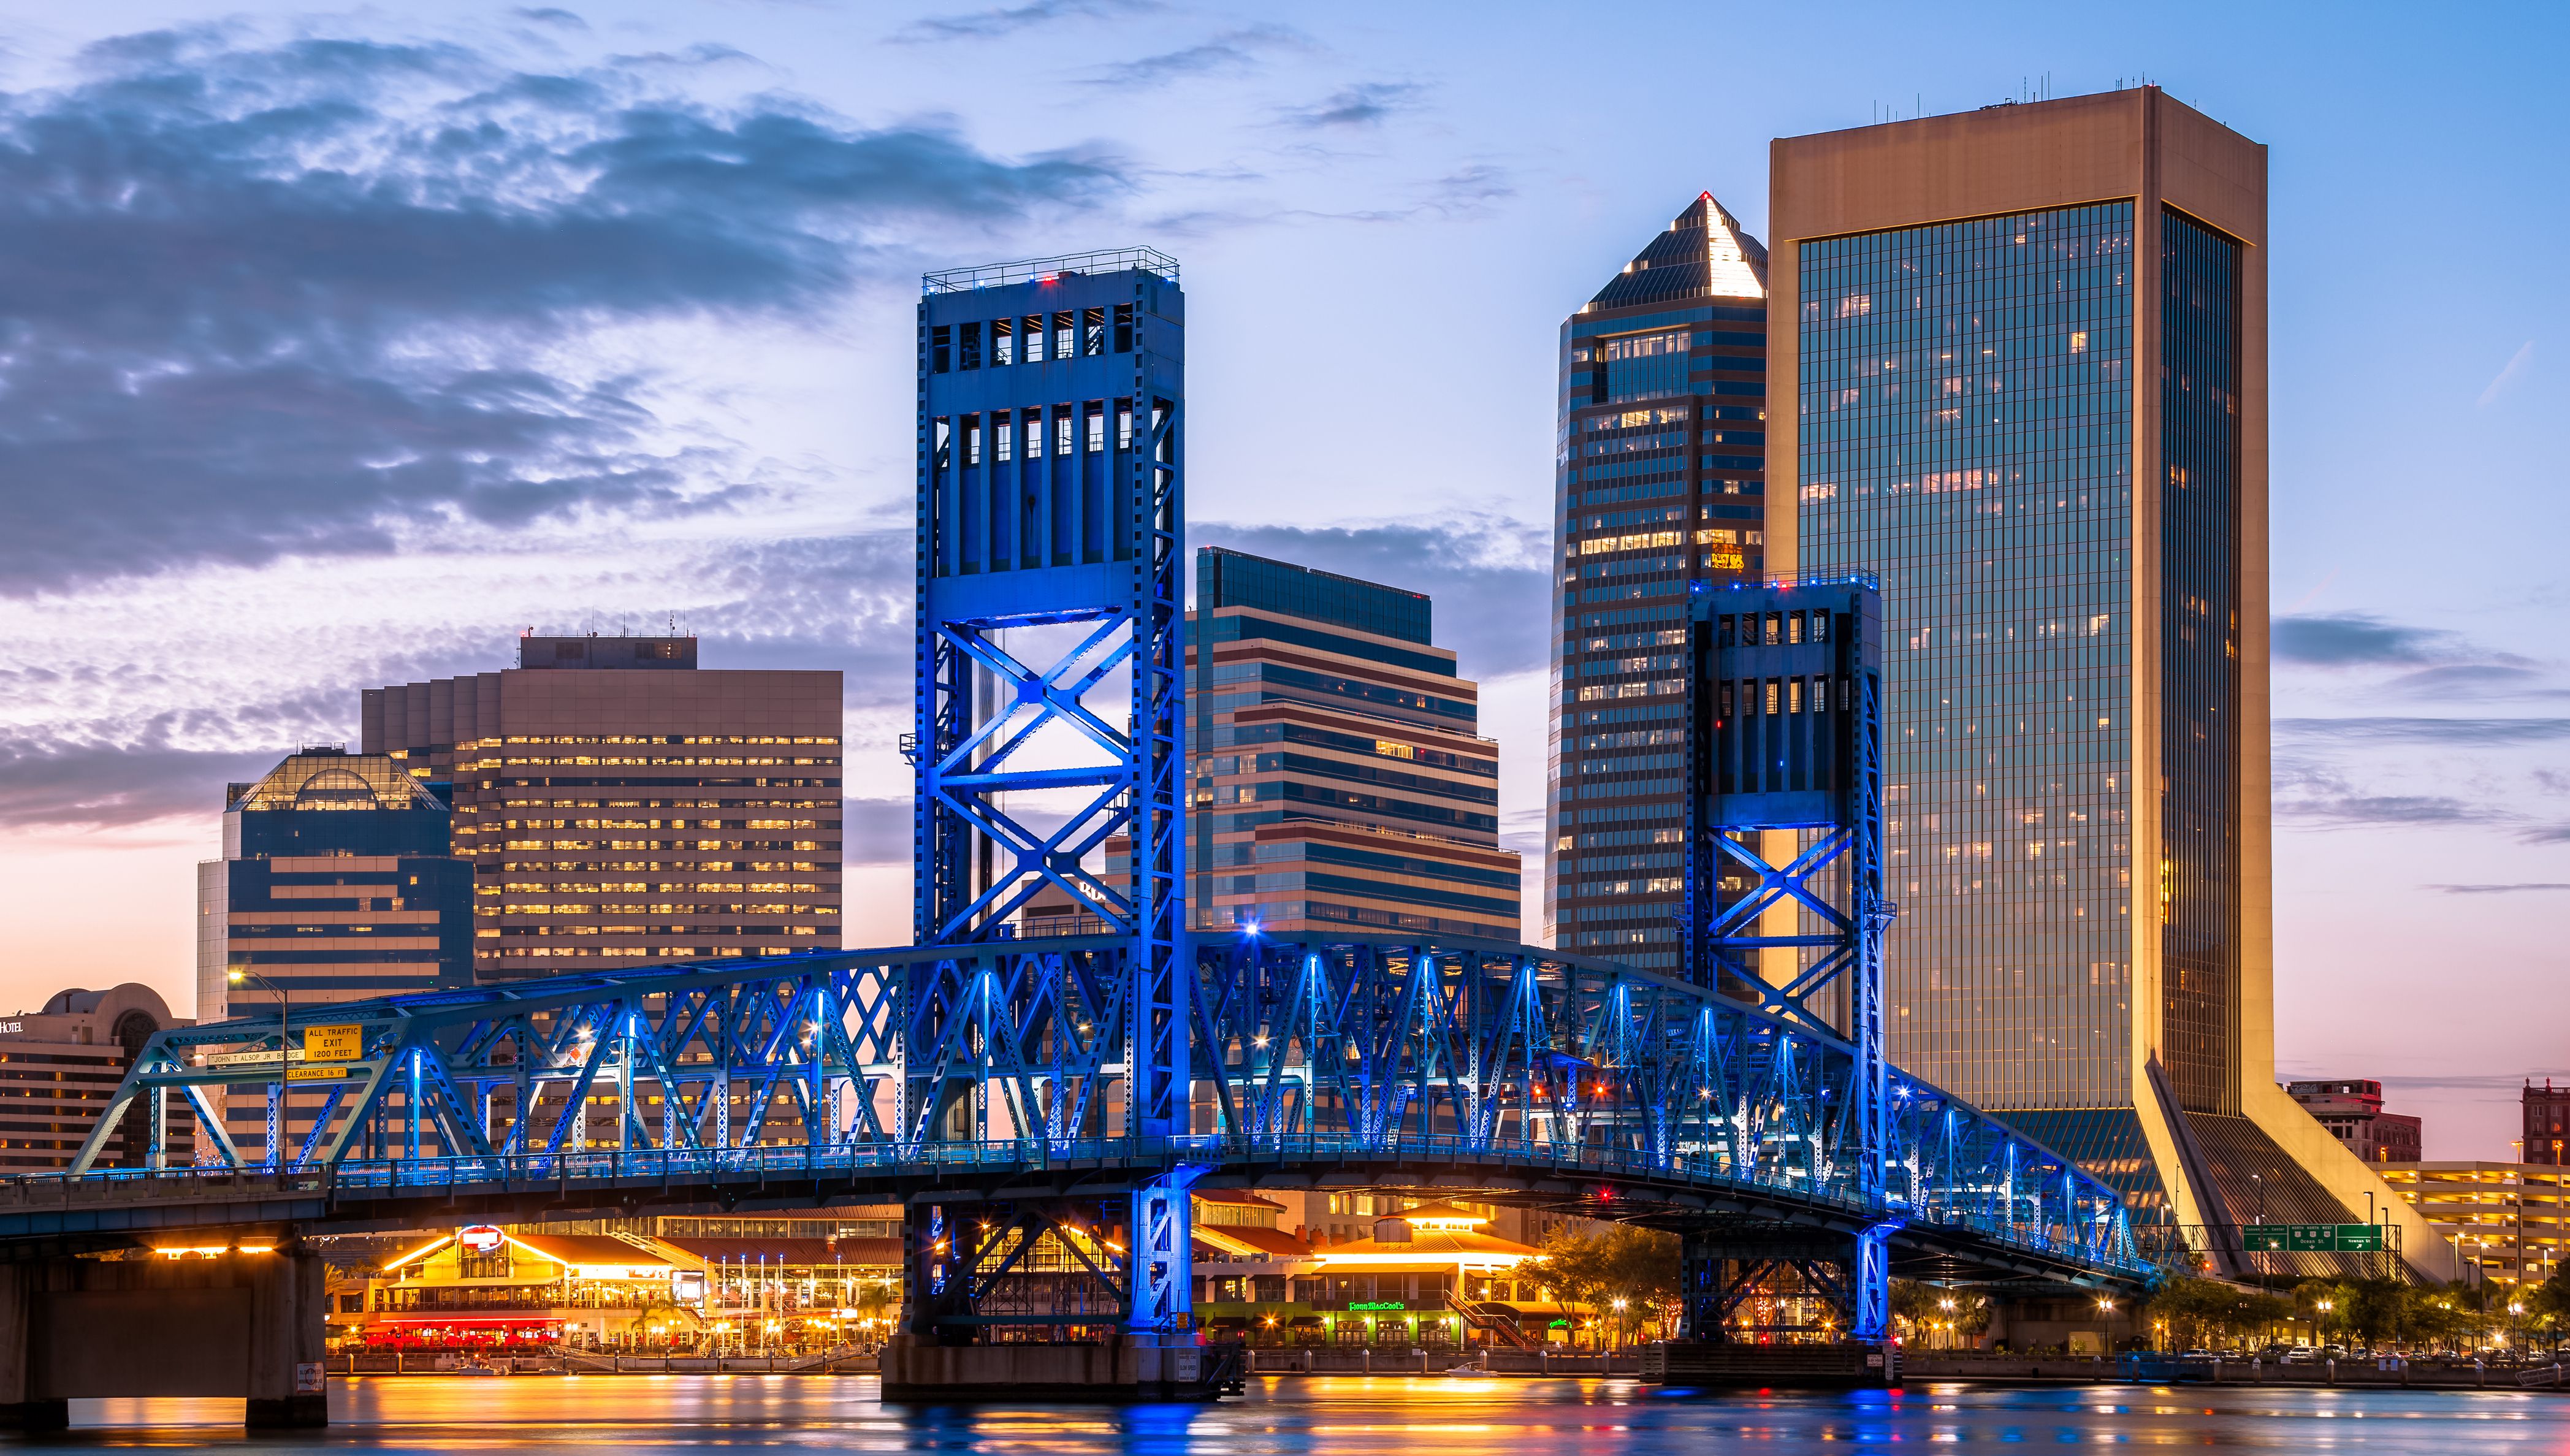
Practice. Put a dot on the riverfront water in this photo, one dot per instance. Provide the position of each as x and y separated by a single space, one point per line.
1338 1416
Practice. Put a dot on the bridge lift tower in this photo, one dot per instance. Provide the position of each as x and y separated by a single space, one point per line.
1049 718
1784 890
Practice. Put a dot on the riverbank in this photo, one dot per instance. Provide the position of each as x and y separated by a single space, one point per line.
2360 1373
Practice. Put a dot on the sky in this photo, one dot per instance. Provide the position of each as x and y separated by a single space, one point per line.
339 347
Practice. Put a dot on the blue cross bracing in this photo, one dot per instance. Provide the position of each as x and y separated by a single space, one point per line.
1045 1106
1479 1069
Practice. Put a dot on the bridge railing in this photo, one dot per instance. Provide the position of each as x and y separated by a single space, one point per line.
1610 1173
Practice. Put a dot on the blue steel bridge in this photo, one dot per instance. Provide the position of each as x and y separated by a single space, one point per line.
994 1075
1043 1107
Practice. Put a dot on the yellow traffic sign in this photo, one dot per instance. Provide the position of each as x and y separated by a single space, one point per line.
323 1074
334 1042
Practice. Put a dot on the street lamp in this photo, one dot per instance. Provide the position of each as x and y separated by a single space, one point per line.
238 976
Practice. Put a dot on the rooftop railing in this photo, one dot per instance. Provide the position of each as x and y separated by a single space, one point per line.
1045 269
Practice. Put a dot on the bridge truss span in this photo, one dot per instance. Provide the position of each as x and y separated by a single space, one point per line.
1479 1069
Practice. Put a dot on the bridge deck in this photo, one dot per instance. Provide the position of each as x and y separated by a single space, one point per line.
1507 1072
110 1207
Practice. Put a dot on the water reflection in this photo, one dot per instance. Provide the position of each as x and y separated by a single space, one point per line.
1339 1416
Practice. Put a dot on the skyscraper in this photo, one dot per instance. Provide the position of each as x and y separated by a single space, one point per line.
617 803
338 883
1660 477
1338 779
2029 350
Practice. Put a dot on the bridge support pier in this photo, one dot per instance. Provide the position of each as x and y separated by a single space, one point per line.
245 1325
1720 1274
1074 1298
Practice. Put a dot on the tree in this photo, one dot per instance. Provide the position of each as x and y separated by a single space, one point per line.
2208 1313
2547 1308
1572 1267
2327 1306
1638 1266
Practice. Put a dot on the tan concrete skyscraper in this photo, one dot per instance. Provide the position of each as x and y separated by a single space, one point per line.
2026 354
621 807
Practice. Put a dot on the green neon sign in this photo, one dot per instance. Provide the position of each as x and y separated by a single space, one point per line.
1376 1304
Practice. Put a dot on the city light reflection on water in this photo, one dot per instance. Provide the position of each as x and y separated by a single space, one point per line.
1337 1416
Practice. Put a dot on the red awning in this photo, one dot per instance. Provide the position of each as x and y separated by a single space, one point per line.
467 1321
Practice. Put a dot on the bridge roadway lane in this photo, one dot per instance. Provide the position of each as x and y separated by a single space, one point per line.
113 1207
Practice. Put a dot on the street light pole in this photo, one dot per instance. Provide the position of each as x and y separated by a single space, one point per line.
284 1038
2261 1182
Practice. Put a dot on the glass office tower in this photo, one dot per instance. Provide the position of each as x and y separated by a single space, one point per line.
2026 348
1659 479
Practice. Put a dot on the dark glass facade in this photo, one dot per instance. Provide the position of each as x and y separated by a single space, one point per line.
336 884
1238 579
2199 663
1966 432
1660 479
1336 773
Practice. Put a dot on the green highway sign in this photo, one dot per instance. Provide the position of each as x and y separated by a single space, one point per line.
2312 1237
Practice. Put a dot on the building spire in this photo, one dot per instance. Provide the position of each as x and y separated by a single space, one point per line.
1705 253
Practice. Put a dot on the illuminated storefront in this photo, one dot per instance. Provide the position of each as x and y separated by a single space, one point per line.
1427 1277
698 1285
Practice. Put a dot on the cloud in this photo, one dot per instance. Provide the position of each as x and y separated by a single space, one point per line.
1366 104
876 831
2547 834
1485 575
2444 731
2357 639
2444 664
2512 371
2513 889
839 602
2382 810
2491 1082
87 783
1008 20
1469 191
1229 53
1466 193
550 15
325 296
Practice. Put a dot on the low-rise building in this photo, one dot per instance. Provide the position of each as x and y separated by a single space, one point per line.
2351 1110
1423 1276
59 1067
685 1284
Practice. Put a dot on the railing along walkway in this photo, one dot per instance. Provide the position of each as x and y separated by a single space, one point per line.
369 1181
